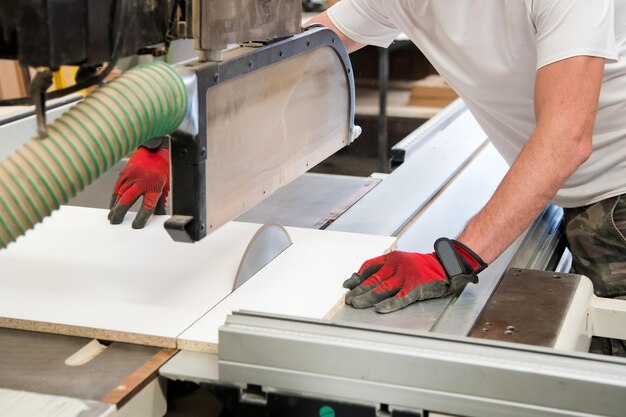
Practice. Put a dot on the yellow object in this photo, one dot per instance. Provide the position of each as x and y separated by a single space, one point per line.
65 77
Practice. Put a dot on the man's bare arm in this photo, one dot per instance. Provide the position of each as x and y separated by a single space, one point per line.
323 19
566 101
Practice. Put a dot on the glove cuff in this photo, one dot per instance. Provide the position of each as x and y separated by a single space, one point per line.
460 263
156 143
470 257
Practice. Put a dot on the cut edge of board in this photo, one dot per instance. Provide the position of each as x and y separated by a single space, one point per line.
196 346
205 347
138 338
334 309
87 332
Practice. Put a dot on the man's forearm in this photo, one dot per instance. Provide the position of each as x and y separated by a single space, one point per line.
566 101
530 184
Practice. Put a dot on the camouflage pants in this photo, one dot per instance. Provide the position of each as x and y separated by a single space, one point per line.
595 236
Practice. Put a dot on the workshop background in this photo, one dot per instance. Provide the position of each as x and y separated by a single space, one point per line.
397 92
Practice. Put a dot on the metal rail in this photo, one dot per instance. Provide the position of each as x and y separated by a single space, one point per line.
416 371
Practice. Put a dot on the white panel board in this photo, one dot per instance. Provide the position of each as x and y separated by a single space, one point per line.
76 274
304 281
86 277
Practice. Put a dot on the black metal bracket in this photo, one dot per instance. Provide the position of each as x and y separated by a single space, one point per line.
38 87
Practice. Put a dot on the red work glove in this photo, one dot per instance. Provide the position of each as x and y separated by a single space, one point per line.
146 174
393 281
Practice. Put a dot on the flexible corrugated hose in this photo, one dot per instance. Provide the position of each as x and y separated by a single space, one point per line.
145 102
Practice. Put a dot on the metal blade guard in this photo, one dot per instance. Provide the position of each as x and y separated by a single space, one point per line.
267 114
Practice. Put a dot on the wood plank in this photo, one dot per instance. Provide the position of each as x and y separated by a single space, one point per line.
304 281
12 83
36 362
138 379
434 87
76 274
367 104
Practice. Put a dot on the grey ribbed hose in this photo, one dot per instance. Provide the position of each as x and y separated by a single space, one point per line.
145 102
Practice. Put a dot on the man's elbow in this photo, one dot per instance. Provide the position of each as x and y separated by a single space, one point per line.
582 149
573 141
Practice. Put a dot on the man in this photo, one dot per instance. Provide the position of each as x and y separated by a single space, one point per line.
546 80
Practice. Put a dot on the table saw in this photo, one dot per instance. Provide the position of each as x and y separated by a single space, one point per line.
97 319
415 214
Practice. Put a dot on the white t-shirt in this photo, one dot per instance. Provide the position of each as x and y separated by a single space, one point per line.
489 52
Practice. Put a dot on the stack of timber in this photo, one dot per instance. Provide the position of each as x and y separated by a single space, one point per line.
431 91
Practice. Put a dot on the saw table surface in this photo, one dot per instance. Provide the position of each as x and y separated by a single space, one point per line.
76 274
